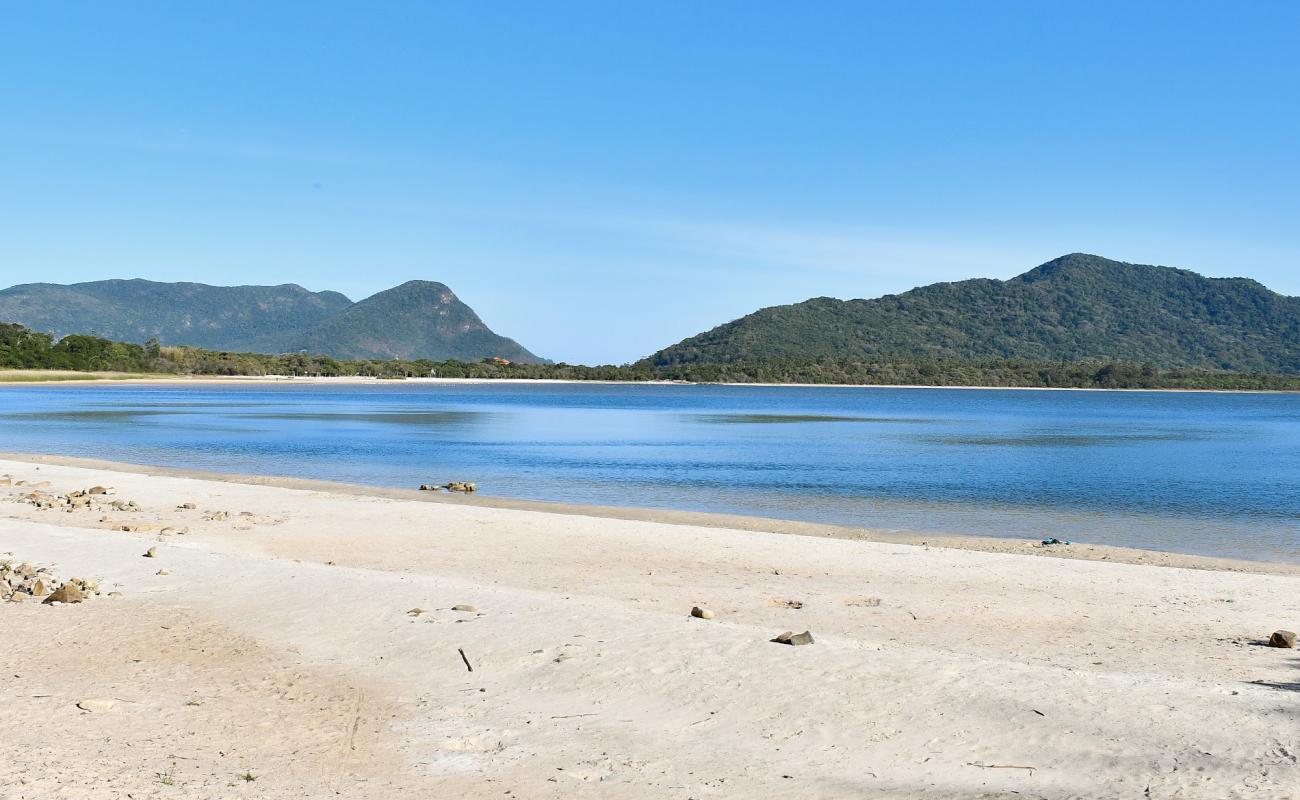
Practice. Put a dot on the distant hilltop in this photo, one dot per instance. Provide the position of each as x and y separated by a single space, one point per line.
419 319
1074 308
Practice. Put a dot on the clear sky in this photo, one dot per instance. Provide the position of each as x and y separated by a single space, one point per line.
601 179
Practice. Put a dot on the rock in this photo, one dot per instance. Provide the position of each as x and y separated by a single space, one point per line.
163 572
415 612
97 490
1282 639
429 487
67 593
466 609
17 597
39 588
794 638
97 704
114 594
188 506
701 613
152 552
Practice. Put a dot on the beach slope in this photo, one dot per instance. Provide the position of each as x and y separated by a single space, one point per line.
290 642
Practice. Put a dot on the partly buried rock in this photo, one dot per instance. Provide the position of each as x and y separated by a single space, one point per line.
701 613
97 704
152 552
97 490
465 608
794 638
67 593
1282 639
188 506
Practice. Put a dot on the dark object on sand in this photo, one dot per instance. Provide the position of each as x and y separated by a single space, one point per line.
1282 639
789 637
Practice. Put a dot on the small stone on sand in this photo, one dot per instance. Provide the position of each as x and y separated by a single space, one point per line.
67 593
152 552
96 704
1282 639
466 609
794 638
701 613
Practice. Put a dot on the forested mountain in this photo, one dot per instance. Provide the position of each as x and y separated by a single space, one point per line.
415 320
419 319
1074 308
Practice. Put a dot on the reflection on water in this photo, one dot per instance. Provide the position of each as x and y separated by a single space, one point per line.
758 419
387 417
1201 473
1064 439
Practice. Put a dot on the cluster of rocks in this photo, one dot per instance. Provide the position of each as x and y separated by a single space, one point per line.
93 499
466 487
28 582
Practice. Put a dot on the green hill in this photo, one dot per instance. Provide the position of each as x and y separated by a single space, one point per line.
1077 307
415 320
251 318
419 319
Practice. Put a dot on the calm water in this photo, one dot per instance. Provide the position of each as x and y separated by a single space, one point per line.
1199 473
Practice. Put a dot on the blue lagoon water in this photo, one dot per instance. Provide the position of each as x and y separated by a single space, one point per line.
1215 474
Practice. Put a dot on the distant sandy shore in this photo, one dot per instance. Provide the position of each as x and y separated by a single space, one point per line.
65 378
304 644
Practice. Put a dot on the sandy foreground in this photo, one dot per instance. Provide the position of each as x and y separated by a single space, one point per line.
307 641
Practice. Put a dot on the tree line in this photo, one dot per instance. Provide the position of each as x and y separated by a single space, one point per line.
21 348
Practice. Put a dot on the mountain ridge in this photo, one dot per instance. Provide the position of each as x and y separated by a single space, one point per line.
258 319
1075 307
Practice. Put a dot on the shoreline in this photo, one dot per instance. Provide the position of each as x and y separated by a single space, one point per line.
101 379
702 519
327 640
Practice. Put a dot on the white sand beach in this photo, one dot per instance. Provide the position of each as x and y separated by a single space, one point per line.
303 645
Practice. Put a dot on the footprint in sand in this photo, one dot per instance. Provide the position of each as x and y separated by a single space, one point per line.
777 602
862 602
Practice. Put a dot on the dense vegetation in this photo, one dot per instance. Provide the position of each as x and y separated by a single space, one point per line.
414 320
418 318
254 318
1078 308
24 349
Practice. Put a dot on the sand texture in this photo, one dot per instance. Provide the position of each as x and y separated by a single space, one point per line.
303 644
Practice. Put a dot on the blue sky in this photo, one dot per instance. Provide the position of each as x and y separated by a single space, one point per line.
602 179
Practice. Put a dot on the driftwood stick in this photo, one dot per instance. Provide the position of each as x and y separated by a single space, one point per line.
464 658
999 766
